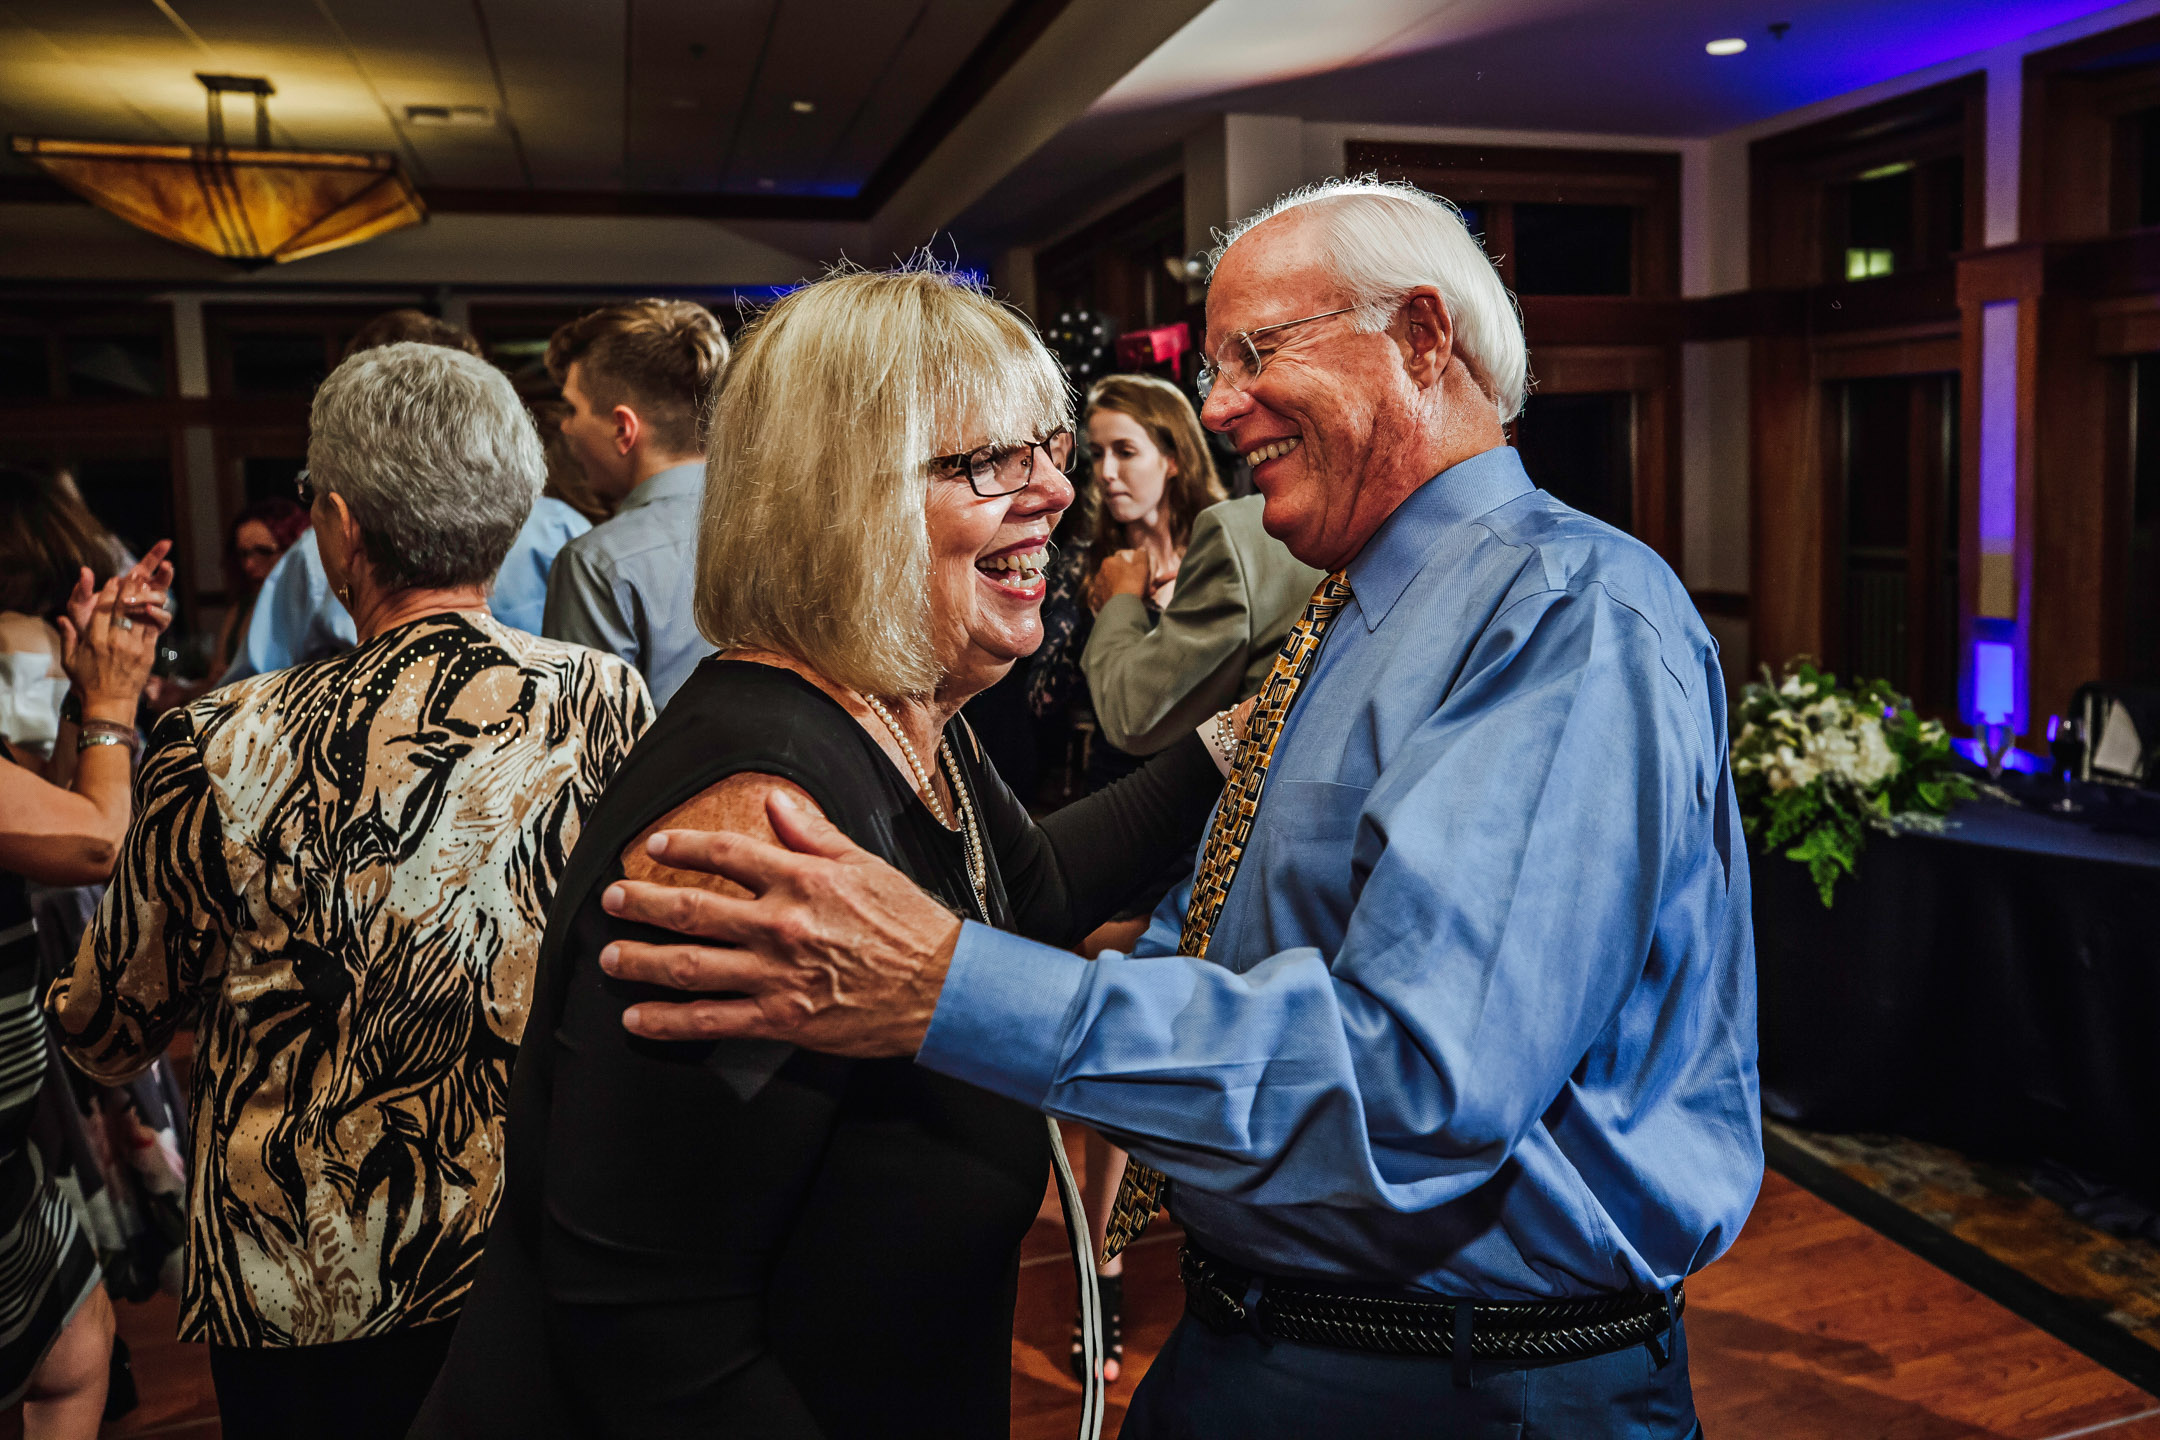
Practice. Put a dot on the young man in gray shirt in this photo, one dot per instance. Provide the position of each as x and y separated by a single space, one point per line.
635 377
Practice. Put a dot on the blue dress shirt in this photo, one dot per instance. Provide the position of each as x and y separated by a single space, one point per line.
519 598
1478 1016
629 586
297 619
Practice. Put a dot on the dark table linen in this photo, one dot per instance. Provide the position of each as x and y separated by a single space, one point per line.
1994 988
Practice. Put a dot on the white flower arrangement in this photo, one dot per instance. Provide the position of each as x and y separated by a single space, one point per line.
1818 766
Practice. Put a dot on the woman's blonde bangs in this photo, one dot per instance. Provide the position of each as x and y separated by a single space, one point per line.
812 538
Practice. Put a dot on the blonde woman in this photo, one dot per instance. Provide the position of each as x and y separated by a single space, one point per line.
753 1240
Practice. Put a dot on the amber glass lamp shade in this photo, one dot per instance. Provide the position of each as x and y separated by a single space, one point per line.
254 207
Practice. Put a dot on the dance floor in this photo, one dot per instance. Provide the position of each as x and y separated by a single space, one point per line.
1813 1328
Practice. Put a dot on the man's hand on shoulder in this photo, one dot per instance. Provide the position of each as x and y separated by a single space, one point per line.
819 943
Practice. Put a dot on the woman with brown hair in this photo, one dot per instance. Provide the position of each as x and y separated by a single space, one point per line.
60 825
259 537
47 539
1153 477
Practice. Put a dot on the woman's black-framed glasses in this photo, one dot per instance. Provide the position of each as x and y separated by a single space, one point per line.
994 470
1242 358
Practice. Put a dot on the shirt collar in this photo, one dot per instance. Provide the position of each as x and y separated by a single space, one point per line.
687 478
1403 544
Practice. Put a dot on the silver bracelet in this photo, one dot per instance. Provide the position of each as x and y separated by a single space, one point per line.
102 737
1223 735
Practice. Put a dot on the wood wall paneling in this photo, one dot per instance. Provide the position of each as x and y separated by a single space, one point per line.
1794 177
1114 266
2076 559
2127 325
2077 160
1648 372
1785 500
1924 349
1581 369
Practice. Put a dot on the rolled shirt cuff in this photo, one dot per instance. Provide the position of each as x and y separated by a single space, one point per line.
1000 1022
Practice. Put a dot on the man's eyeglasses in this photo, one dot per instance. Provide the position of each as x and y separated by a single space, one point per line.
1243 359
306 488
994 470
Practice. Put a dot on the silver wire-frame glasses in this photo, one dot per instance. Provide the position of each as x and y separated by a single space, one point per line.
1245 357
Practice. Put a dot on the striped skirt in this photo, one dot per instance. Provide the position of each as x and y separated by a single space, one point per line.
47 1265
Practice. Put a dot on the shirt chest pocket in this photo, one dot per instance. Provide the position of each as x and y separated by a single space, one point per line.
1308 832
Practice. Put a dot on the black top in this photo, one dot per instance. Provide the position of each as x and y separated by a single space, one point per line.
741 1238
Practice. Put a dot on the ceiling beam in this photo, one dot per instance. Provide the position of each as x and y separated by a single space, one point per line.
1086 47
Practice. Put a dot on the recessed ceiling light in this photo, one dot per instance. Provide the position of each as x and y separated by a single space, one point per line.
1726 47
449 115
803 107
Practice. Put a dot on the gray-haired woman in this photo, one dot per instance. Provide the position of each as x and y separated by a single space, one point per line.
340 872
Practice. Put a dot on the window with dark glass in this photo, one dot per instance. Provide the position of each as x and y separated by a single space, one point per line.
1566 249
1581 448
268 477
1899 216
1898 452
115 367
2145 127
522 356
132 495
25 368
1879 222
271 363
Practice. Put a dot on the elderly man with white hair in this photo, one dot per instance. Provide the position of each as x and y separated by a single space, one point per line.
1448 1052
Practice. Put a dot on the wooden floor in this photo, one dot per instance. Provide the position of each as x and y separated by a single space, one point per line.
1813 1328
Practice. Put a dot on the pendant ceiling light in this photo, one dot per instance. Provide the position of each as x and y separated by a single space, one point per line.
255 207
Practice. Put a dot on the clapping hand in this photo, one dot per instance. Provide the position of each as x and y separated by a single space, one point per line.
1122 572
145 591
109 634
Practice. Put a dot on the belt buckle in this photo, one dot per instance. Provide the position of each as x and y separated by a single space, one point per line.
1207 1296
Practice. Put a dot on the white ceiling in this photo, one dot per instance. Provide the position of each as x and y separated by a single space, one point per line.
1615 67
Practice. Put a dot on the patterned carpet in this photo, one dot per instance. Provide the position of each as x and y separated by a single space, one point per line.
1996 1211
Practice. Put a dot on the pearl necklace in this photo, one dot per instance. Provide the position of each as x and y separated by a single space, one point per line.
978 869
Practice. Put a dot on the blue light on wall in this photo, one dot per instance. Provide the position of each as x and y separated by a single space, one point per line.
1994 689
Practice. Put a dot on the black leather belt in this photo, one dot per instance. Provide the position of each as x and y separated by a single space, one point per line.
1513 1333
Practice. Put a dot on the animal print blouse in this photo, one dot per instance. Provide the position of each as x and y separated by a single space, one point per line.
340 872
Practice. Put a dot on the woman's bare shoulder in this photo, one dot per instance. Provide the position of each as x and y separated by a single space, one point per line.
736 805
22 634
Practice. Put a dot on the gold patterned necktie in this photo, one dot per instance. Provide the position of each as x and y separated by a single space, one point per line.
1139 1194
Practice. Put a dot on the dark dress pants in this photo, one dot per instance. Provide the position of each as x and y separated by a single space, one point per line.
367 1389
1208 1384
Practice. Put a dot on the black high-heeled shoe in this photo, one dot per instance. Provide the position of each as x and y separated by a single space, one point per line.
1112 1290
